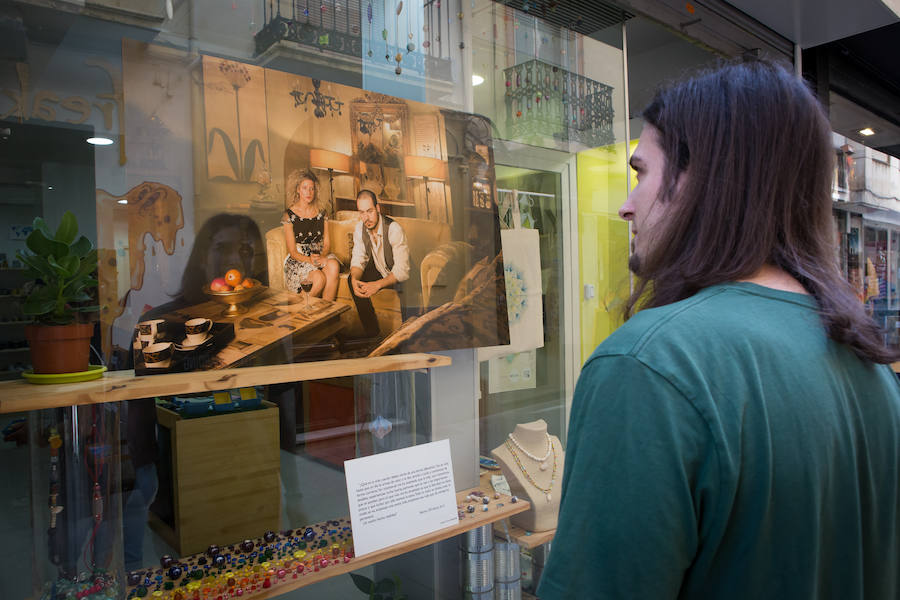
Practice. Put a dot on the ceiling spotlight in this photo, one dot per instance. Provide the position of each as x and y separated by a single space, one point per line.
867 131
99 141
477 79
123 201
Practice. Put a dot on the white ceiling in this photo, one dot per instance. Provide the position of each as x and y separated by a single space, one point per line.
813 22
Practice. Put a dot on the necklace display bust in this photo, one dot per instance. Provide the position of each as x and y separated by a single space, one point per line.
532 462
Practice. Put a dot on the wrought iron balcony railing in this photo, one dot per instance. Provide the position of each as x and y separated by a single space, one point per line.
544 100
356 28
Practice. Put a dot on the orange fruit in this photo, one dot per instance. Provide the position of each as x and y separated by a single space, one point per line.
233 277
247 283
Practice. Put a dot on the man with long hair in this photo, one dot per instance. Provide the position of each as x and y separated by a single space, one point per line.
739 435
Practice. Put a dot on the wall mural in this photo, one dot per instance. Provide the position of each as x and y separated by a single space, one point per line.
428 270
237 140
152 209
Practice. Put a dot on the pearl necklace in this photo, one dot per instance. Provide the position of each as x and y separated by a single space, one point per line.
546 491
541 460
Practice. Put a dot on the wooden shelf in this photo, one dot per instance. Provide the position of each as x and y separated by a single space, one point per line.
498 509
6 350
526 539
115 386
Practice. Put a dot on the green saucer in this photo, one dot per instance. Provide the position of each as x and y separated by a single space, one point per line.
94 372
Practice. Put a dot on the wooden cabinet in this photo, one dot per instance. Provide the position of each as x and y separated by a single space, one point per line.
224 478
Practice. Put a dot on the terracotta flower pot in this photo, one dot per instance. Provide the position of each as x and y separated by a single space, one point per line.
59 348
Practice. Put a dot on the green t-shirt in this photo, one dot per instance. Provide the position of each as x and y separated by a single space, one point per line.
724 447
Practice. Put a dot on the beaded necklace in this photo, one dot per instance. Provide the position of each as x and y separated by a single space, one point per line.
542 460
546 491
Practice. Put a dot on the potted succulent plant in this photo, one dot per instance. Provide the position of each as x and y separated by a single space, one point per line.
62 265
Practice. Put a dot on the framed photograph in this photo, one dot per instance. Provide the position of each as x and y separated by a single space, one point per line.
378 132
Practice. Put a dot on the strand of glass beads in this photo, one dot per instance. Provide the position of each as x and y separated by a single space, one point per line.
541 460
546 491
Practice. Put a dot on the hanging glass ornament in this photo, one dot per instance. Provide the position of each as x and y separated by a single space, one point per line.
398 57
398 70
410 47
459 15
426 44
369 17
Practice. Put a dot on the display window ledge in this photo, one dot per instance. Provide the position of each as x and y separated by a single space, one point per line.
287 570
116 386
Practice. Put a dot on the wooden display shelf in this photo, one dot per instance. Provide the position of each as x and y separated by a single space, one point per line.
468 522
18 396
523 538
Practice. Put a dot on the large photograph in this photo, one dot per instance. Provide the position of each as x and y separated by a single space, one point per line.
330 222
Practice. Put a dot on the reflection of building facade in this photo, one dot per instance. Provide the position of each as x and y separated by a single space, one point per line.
867 222
212 107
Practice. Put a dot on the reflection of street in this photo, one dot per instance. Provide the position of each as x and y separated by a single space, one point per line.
274 317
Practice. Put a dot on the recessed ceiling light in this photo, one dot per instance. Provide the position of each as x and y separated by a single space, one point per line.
123 201
99 141
867 131
477 79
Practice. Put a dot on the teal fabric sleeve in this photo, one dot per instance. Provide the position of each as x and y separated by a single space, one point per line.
639 468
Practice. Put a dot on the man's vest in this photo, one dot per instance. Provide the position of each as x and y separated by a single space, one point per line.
385 241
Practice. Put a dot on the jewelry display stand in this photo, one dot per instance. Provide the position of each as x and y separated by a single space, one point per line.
532 461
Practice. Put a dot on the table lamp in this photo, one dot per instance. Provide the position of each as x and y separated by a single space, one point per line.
333 162
425 167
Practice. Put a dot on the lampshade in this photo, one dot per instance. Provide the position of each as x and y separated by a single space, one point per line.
425 166
328 159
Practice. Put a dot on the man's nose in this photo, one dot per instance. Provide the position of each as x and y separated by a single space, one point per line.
626 211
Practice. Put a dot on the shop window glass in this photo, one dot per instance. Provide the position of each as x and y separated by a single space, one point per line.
203 109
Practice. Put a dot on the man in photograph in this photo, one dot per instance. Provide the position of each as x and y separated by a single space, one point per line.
380 259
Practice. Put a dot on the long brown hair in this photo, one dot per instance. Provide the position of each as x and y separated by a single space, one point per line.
755 149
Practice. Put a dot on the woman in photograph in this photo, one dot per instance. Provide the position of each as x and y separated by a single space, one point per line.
309 263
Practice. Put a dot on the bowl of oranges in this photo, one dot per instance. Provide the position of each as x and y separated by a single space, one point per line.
233 289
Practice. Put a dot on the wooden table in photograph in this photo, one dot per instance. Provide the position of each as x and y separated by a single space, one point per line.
275 321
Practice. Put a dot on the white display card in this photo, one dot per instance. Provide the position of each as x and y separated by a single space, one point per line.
400 495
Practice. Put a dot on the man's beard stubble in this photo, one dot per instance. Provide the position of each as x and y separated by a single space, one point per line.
634 264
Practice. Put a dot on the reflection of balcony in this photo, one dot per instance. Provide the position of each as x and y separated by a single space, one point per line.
336 34
543 100
331 34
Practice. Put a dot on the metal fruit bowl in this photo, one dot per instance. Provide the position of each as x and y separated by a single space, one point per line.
235 299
